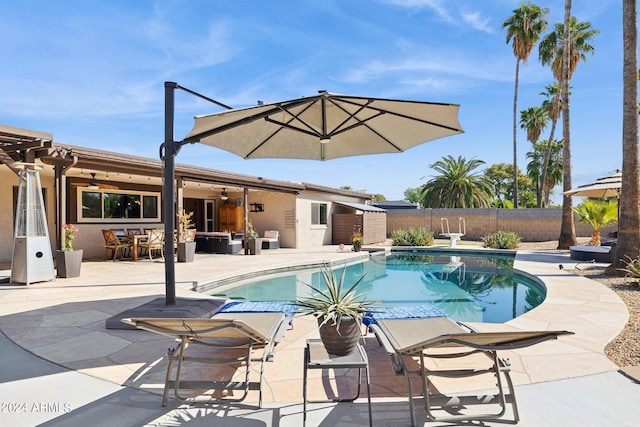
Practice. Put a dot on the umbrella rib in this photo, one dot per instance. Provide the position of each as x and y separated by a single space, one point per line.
242 121
404 116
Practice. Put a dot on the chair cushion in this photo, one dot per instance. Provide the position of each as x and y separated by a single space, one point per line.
271 234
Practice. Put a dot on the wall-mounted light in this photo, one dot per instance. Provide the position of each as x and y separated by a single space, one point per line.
257 207
224 195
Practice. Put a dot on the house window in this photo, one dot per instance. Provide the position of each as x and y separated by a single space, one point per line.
118 205
318 213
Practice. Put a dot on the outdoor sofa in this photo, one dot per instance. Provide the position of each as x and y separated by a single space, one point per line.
215 242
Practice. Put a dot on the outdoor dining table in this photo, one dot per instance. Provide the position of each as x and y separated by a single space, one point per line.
135 240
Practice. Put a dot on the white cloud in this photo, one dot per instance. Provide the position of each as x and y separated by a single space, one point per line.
458 18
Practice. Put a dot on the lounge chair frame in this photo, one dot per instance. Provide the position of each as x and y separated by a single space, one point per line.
451 340
243 331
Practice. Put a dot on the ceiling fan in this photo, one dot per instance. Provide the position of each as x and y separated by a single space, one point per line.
94 185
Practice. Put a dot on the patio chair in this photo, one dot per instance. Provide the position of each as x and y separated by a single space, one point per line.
153 243
114 244
240 334
271 239
438 338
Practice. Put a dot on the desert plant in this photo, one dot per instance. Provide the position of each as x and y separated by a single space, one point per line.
632 267
335 303
414 236
502 240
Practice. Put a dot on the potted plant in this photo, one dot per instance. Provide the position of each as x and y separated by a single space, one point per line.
356 241
186 242
68 260
254 242
339 311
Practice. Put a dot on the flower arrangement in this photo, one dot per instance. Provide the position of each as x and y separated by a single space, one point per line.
70 231
186 226
356 238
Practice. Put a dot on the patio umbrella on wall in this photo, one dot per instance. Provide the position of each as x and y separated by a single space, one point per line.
609 186
321 127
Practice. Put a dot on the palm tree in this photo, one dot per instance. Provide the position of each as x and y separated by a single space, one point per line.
553 106
551 47
629 223
523 28
574 37
597 214
457 186
554 168
534 120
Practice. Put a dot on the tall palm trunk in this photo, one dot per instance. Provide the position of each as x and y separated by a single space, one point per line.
515 144
568 229
544 190
629 221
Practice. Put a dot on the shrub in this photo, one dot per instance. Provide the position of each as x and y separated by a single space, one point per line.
414 236
502 240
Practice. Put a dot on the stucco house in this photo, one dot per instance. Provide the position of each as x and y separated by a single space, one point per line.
97 189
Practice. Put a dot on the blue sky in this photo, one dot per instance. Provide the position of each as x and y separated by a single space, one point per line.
92 73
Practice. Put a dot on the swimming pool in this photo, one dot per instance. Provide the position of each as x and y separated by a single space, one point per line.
466 286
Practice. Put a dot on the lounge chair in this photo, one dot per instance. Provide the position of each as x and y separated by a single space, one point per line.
441 338
224 332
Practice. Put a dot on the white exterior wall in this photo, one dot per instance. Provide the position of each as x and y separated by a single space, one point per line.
310 235
279 214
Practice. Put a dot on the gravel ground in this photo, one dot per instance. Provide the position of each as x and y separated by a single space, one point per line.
624 350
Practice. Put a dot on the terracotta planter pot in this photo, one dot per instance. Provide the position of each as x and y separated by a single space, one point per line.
68 263
340 341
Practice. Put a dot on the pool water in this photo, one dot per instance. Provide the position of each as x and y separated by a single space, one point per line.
467 287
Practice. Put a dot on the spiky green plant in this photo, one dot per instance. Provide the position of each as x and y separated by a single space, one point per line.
502 240
414 236
335 303
632 267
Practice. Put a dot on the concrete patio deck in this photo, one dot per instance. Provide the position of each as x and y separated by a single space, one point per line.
61 366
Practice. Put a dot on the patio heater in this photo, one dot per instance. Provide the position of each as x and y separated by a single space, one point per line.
32 260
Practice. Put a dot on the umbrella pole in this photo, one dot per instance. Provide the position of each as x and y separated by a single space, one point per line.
168 151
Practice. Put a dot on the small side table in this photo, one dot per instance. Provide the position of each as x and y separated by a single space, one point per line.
316 357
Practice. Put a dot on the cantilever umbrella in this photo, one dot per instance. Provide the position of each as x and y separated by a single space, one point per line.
609 186
326 126
321 127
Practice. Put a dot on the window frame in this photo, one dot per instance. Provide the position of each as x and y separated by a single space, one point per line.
317 206
141 194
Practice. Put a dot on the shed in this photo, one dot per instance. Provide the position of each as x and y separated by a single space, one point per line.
348 218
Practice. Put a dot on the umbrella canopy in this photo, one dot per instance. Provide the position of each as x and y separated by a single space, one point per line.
608 186
326 126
